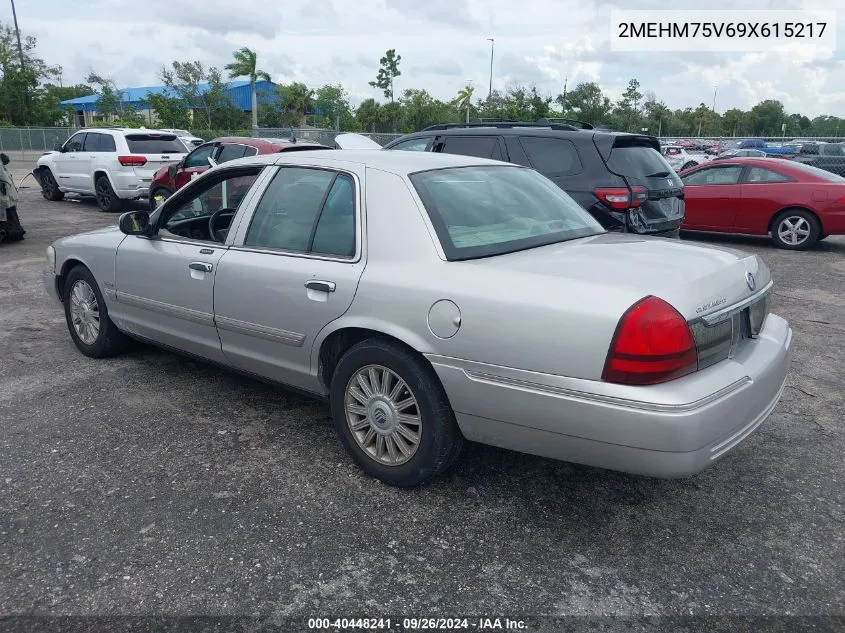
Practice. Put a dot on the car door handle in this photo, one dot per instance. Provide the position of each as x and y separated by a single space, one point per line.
201 266
322 286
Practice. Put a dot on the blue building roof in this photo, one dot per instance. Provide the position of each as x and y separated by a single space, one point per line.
238 90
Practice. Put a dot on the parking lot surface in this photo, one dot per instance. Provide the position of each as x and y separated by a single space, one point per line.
152 484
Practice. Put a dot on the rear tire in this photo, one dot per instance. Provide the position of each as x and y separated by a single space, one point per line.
87 316
795 230
106 197
50 188
379 386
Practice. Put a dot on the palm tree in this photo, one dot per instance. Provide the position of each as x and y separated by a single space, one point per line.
465 98
299 98
246 65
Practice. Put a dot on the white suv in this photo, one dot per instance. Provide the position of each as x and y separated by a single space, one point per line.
112 164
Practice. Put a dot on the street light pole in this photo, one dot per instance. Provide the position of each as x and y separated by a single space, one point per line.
715 90
492 45
17 33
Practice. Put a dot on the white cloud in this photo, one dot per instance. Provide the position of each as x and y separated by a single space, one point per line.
443 44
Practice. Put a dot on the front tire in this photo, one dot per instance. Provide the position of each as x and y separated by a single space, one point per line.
392 414
87 317
106 197
795 230
50 188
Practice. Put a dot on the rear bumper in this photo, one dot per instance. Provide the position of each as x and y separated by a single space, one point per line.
672 430
131 186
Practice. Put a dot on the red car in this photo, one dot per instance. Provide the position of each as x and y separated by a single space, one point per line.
168 179
794 203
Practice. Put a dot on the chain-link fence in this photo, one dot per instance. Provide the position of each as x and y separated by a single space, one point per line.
27 143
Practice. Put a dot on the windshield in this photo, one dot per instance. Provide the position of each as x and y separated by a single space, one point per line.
815 171
493 210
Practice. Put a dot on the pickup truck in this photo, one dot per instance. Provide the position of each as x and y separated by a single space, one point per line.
758 143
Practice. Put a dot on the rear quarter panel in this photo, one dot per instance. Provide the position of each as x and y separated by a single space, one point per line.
762 201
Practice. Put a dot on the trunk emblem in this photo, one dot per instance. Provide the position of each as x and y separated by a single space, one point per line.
749 279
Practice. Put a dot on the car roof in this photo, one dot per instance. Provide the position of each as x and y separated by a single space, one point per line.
126 130
264 143
400 163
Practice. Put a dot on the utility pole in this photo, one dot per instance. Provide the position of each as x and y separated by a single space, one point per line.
17 33
715 90
563 101
492 45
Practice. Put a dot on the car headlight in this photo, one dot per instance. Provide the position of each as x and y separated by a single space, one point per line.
51 258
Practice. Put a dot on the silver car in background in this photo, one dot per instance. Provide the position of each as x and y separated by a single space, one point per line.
433 298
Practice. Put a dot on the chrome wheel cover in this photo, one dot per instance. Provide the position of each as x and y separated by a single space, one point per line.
383 415
84 312
794 230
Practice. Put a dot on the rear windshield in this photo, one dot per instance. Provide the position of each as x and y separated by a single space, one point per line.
637 162
815 171
493 210
154 144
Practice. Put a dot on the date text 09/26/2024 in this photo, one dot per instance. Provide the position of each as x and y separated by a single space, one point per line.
418 624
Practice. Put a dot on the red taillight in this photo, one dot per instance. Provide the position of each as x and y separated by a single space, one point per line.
652 344
132 161
622 198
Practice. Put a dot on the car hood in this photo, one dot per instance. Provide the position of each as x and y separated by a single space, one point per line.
355 141
621 269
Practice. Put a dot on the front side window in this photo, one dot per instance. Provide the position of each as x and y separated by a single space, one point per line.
308 211
75 143
726 175
189 215
199 157
479 146
492 210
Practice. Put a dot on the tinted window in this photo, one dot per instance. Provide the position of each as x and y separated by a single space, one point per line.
230 151
760 174
480 146
199 157
97 142
250 151
726 175
412 145
154 144
75 142
552 156
832 149
287 214
335 232
491 210
637 162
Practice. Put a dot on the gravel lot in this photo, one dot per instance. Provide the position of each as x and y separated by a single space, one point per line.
151 484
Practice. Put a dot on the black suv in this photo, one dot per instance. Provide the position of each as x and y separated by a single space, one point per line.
621 179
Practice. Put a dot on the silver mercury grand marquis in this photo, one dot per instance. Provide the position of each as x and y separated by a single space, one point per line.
433 298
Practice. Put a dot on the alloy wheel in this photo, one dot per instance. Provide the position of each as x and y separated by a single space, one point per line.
84 312
794 230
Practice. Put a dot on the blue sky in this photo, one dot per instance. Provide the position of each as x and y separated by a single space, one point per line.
443 44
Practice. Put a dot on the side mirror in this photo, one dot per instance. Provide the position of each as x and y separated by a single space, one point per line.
135 223
4 159
172 169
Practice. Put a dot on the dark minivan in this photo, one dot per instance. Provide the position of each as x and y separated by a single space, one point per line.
621 179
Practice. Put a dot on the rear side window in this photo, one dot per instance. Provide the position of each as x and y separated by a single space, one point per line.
637 162
154 144
230 152
97 142
552 156
760 174
479 146
412 145
250 151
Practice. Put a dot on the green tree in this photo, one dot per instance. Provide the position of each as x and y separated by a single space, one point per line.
47 110
588 103
371 116
627 109
333 103
387 73
203 92
246 65
767 118
19 82
464 99
110 100
170 111
419 109
297 99
733 121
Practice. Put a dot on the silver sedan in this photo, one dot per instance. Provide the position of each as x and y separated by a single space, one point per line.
434 298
